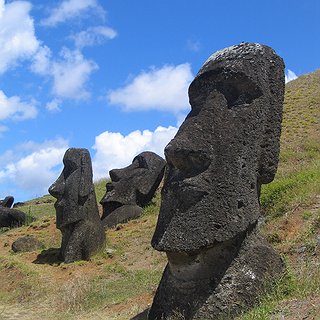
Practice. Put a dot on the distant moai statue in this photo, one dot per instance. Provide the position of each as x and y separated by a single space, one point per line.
76 208
131 188
228 146
7 202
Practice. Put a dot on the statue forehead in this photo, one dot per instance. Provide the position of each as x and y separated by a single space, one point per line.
238 53
76 156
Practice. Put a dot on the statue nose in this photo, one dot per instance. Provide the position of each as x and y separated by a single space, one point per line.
57 188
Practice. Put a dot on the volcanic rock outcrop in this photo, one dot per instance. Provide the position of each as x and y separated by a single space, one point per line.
131 188
7 202
76 208
228 146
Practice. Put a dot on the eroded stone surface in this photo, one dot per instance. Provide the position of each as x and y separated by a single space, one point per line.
76 208
131 188
225 149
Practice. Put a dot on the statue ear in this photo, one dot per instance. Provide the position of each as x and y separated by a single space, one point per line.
85 176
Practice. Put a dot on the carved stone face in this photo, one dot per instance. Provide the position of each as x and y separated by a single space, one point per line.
134 184
225 149
72 187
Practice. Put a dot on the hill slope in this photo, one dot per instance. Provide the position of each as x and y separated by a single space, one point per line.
120 282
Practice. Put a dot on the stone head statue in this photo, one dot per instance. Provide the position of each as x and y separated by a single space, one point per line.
225 149
76 207
7 202
132 187
73 188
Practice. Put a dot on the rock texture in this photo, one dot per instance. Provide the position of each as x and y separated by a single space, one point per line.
76 208
225 149
7 202
132 188
11 217
26 244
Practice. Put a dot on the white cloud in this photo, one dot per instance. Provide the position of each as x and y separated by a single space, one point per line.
15 109
41 63
54 105
164 89
113 150
36 170
93 35
290 75
71 73
17 38
70 9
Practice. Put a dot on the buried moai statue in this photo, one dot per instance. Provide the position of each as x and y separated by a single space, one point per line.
228 146
76 208
131 188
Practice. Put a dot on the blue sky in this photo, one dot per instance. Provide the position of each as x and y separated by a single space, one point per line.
112 76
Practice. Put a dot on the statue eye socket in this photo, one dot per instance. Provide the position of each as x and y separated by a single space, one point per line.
239 90
69 168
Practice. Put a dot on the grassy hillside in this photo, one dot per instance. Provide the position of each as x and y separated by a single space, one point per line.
120 282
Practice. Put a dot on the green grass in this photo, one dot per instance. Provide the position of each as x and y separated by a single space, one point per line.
289 287
29 286
130 284
291 190
39 208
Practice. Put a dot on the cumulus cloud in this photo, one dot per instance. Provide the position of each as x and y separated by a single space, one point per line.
70 9
54 105
37 167
17 37
15 109
114 150
93 36
290 75
71 73
164 89
41 63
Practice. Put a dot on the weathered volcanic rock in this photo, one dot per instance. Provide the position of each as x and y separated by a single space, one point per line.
225 149
11 217
7 202
26 244
76 208
132 187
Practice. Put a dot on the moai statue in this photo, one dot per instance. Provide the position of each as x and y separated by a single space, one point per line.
76 208
228 146
131 188
7 202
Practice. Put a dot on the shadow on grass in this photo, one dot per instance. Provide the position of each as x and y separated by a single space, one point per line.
49 256
141 316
